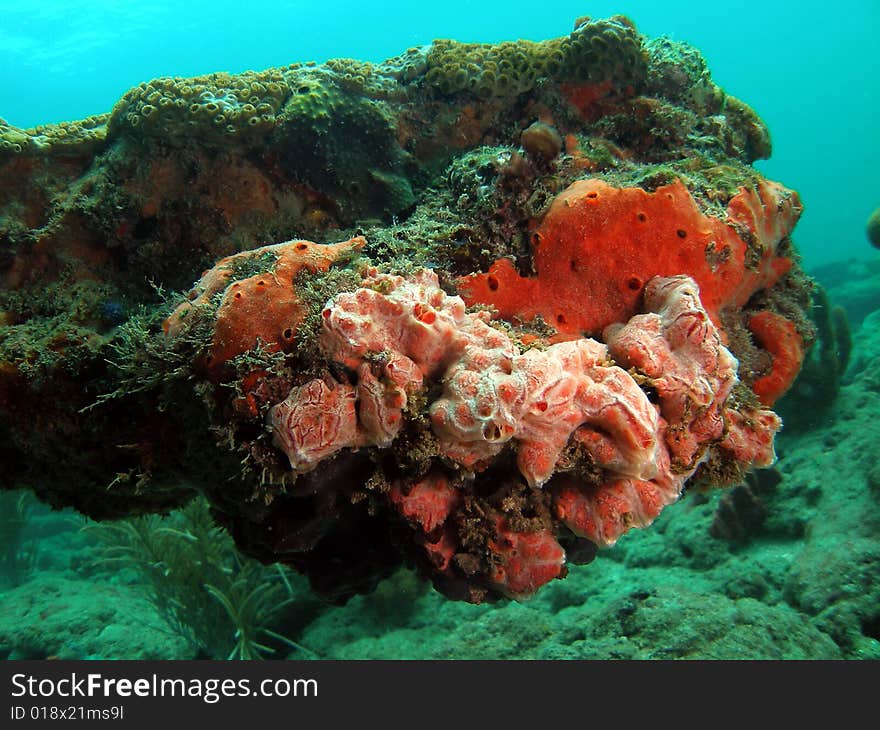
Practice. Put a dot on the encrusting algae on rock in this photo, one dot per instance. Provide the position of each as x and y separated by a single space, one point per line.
479 308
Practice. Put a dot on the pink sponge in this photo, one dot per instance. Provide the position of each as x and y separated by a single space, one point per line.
678 350
539 399
524 561
608 433
410 331
314 422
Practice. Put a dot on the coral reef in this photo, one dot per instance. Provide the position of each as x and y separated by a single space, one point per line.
594 52
217 106
72 139
387 342
527 292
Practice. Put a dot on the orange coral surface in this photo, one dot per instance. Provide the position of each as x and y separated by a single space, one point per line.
780 338
598 245
263 307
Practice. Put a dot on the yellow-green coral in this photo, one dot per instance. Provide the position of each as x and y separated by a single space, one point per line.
65 138
384 80
407 66
353 75
678 72
747 125
218 105
343 143
593 52
13 139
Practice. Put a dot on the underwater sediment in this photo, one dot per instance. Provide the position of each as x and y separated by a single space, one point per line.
479 308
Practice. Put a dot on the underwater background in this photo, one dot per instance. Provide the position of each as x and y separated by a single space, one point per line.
783 566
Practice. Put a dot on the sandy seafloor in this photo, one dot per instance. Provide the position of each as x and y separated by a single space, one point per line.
802 584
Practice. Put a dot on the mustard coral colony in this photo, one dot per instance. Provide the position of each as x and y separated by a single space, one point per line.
479 308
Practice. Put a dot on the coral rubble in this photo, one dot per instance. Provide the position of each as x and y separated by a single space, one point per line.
524 294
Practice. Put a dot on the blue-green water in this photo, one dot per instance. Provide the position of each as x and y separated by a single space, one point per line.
805 586
806 67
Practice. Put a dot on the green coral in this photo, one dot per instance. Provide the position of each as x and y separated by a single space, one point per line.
82 137
595 51
218 106
406 67
352 74
339 142
678 72
384 80
749 132
13 139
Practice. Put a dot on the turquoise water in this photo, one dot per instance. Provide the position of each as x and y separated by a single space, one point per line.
801 585
804 67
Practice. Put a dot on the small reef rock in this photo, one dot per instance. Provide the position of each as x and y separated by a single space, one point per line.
480 309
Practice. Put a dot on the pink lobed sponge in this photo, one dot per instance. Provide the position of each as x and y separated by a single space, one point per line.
539 398
679 351
638 414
